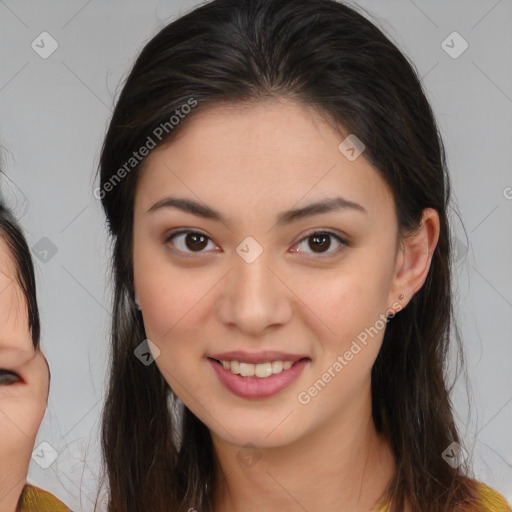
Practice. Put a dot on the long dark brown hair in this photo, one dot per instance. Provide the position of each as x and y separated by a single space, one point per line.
324 54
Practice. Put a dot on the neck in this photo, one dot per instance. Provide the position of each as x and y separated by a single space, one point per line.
345 466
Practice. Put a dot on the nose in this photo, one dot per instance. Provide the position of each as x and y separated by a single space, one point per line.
255 298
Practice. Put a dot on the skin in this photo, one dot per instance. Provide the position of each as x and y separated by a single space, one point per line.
23 397
251 163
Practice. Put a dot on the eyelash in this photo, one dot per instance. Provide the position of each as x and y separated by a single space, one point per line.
310 235
8 373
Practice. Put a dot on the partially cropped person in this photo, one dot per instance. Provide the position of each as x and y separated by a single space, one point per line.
24 374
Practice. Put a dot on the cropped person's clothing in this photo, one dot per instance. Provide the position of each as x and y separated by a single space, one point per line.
34 499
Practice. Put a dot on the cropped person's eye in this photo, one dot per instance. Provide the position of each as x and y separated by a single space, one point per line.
7 377
317 241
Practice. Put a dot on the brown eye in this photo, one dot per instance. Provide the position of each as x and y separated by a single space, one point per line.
319 242
7 377
190 241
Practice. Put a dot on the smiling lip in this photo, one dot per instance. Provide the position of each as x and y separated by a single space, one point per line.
258 357
256 387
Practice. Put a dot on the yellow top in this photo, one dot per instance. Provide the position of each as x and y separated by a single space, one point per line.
490 501
34 499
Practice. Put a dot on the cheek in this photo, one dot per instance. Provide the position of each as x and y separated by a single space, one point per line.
349 332
19 424
170 301
174 300
347 323
172 304
348 302
164 289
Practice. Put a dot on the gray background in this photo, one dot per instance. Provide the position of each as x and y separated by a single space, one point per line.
54 113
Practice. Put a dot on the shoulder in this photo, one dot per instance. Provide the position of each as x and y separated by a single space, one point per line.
485 498
34 499
491 500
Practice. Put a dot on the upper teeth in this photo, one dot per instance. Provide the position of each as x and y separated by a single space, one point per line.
261 370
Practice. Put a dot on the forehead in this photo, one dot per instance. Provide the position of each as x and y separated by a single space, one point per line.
7 266
13 312
255 153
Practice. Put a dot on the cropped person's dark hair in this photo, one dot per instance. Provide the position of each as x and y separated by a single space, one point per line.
325 55
12 233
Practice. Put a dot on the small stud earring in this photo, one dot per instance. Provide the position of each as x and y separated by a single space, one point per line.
401 296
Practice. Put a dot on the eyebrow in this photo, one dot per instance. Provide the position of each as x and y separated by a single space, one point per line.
287 217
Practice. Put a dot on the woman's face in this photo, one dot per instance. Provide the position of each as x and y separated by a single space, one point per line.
259 280
24 382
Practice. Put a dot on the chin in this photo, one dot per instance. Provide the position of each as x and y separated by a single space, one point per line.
257 433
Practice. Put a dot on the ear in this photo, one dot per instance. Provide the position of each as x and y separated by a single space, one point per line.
414 257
